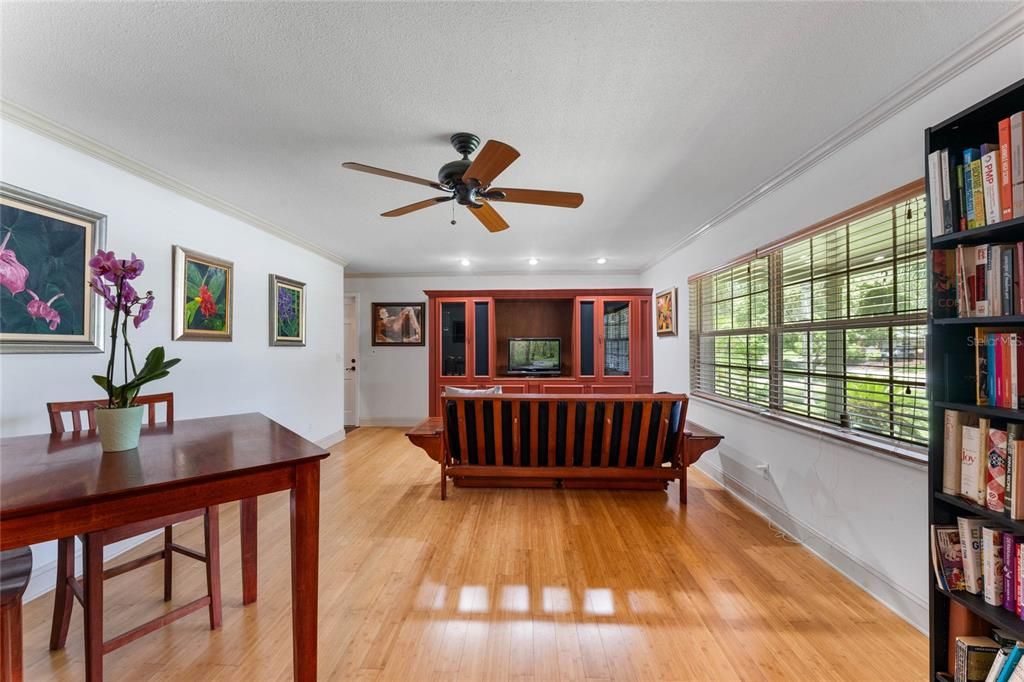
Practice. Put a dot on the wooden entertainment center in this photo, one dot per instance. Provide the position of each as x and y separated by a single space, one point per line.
606 340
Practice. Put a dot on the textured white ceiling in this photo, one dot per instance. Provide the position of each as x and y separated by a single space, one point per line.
661 114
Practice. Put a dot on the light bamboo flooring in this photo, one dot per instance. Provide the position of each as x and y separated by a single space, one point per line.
505 584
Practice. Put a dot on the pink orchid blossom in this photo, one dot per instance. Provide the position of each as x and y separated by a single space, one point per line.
104 264
42 310
12 273
144 310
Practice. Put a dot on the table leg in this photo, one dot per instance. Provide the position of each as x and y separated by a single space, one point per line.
92 561
248 522
305 569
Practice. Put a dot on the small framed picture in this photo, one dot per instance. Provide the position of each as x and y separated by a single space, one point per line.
398 324
203 298
46 305
665 312
287 312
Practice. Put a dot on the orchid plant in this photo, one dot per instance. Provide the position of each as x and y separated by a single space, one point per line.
111 280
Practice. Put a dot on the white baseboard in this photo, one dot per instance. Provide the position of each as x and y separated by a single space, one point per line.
392 422
896 598
331 440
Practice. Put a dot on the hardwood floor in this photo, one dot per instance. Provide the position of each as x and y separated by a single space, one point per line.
505 584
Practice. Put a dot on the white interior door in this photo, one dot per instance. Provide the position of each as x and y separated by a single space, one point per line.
352 360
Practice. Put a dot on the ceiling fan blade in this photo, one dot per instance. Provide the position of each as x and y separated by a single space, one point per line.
490 162
489 217
351 165
540 197
426 203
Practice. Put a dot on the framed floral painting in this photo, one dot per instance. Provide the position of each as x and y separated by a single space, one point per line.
45 247
665 312
287 312
203 298
398 324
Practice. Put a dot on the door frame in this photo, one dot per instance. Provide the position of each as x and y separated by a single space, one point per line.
351 353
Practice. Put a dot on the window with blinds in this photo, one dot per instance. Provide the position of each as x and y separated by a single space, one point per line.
828 325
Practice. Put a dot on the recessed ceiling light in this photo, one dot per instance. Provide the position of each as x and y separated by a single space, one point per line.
602 260
464 262
533 261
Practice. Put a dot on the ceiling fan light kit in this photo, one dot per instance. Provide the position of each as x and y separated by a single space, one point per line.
468 183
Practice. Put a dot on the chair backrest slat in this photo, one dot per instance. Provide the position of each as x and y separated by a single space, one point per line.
570 433
627 426
644 435
606 432
499 440
462 426
517 449
662 430
76 408
552 434
534 432
588 432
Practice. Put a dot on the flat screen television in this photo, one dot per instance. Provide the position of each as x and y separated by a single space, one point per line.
535 355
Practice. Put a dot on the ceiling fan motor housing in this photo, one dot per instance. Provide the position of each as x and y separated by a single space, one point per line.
451 173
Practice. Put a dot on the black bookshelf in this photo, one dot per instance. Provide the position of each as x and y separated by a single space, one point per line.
951 371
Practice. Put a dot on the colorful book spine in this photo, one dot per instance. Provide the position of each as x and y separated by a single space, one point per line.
1006 275
970 540
1005 175
1012 661
1017 162
995 475
981 269
947 193
1010 542
978 189
960 191
972 218
992 565
990 187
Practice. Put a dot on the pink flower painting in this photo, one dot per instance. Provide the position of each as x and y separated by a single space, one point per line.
42 310
12 273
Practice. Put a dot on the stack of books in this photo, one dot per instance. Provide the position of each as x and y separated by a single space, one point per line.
987 279
978 557
989 659
980 186
984 464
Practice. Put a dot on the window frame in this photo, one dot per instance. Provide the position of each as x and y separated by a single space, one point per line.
777 327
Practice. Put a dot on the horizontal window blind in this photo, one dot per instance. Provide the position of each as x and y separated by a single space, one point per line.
828 326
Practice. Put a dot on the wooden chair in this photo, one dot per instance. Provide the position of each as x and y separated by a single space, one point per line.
15 570
90 594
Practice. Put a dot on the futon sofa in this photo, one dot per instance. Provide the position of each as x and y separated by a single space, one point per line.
605 441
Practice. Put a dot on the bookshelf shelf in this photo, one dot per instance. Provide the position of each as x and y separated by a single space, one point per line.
977 510
952 369
996 615
981 321
1008 230
983 410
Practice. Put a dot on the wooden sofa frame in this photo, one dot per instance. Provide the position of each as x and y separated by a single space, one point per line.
518 445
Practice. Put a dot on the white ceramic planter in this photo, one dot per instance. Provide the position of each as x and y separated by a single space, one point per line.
119 428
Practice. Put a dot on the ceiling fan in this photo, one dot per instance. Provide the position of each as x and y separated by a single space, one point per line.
468 182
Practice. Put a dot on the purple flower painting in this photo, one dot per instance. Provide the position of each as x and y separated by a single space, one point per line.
288 312
45 250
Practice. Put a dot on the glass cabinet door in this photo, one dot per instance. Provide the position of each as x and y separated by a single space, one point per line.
453 339
615 331
586 340
481 339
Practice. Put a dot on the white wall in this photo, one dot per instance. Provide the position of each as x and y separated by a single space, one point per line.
393 382
865 513
299 387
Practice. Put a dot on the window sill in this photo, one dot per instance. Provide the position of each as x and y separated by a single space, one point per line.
902 451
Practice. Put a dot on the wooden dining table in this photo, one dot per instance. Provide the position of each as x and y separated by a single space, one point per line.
61 485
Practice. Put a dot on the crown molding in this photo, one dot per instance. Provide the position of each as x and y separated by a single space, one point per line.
998 35
25 118
495 273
